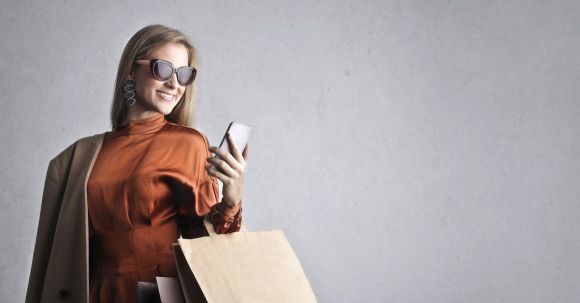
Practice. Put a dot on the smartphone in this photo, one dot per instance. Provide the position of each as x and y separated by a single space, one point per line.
240 134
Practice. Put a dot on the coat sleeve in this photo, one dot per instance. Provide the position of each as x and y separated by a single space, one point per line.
49 211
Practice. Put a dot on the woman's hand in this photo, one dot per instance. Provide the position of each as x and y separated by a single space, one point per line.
230 170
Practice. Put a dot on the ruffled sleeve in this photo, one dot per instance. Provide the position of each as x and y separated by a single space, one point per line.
225 218
198 194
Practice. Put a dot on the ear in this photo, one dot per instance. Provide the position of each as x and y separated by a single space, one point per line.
131 71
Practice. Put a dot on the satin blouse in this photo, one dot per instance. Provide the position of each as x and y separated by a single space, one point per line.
148 185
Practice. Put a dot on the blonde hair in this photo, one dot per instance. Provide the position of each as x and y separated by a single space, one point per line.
141 44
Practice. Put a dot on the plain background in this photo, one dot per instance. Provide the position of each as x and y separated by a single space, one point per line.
412 151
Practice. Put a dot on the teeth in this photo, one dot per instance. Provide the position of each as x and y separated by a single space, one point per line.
165 96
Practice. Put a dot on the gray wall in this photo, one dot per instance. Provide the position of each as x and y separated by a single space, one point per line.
412 151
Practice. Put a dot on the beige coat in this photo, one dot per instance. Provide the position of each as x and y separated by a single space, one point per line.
60 265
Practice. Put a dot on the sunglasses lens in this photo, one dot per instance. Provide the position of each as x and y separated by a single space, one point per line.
185 75
162 70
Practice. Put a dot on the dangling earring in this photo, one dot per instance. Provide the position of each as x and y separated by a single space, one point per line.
129 90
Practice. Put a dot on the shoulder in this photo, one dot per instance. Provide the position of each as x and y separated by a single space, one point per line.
186 134
82 143
187 140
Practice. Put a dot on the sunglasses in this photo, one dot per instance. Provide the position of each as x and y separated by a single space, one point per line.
163 70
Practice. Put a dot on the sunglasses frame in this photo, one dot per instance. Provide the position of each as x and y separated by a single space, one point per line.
152 62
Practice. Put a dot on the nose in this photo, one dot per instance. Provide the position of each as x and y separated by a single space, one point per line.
172 82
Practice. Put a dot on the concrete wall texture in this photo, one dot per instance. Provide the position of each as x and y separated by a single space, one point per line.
411 151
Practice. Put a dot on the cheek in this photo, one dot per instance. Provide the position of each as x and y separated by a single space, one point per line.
147 88
152 84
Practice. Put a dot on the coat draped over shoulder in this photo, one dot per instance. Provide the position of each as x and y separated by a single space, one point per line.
60 269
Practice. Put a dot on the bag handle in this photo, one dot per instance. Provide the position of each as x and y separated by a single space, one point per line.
209 227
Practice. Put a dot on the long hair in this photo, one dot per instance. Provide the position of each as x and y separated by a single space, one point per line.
144 42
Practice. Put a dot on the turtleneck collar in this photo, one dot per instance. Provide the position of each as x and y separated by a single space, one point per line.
143 126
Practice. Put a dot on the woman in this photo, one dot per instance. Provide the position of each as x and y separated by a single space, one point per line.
146 182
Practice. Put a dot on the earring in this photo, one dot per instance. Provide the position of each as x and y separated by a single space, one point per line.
129 90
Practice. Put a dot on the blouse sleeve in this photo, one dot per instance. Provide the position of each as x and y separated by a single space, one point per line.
200 197
225 218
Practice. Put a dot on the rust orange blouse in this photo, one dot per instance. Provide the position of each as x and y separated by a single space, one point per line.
148 185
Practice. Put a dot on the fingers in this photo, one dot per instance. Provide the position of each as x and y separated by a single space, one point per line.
216 173
238 163
234 150
222 166
229 167
225 156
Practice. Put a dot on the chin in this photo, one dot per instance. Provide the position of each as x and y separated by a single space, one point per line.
165 107
165 111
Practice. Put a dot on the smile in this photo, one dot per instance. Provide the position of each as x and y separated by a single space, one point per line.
164 96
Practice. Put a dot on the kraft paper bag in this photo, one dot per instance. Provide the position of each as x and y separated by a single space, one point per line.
241 267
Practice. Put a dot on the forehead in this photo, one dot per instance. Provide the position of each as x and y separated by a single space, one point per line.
175 53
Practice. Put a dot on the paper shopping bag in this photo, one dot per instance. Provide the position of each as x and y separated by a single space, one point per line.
241 267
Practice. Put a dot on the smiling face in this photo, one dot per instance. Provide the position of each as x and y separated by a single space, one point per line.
152 95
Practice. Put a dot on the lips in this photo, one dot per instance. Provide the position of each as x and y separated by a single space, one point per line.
165 96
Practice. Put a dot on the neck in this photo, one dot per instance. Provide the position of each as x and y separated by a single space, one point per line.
136 112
